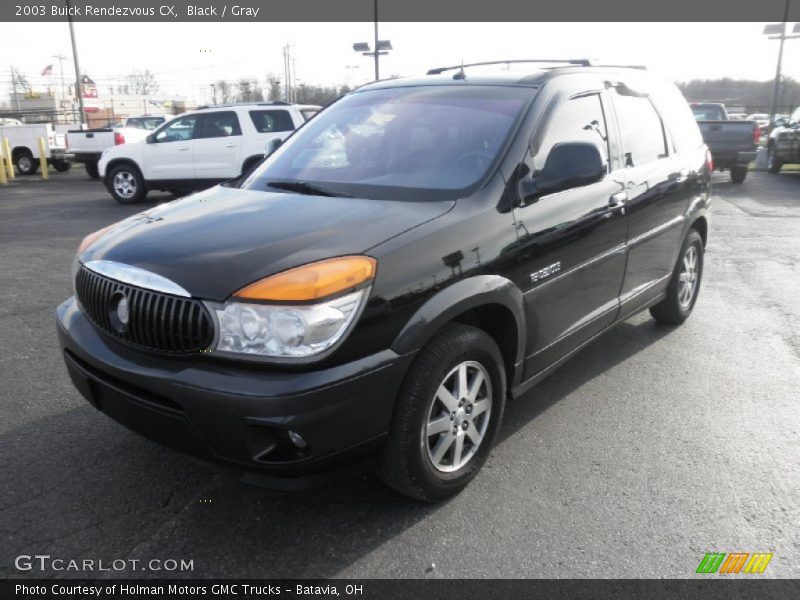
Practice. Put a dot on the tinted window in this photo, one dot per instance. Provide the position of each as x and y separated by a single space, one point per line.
578 120
219 124
144 123
641 130
377 143
268 121
181 129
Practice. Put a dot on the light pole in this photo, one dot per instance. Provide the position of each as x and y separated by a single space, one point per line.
382 47
78 87
777 31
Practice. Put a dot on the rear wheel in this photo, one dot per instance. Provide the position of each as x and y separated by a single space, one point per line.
738 173
773 163
126 184
447 415
684 285
91 169
26 164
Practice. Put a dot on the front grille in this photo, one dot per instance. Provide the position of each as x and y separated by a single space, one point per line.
156 321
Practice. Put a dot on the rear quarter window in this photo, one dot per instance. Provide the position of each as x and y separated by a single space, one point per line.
270 121
678 117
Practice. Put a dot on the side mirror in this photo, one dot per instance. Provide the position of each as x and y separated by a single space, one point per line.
151 138
272 145
569 165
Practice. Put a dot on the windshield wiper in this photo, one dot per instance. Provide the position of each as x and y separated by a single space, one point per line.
304 187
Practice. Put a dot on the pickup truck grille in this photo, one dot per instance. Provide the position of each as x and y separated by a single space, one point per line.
156 321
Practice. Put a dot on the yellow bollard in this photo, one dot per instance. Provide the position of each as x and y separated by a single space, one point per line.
3 176
9 162
43 159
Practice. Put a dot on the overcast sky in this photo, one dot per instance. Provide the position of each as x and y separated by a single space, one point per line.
187 57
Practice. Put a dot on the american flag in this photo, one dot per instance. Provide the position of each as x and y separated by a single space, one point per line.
48 70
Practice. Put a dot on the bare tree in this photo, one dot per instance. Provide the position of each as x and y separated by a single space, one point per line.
223 91
142 82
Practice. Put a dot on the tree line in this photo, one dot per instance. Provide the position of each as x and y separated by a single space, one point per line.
754 96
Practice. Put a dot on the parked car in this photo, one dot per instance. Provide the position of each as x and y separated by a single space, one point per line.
371 294
24 143
733 144
199 149
87 145
783 146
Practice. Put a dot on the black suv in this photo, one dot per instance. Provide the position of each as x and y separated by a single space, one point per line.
410 258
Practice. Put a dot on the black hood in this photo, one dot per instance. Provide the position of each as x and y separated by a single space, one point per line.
216 242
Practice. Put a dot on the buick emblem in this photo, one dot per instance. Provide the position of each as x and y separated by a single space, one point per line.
119 312
122 310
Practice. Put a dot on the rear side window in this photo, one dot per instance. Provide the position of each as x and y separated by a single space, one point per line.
219 124
578 120
270 121
679 119
641 130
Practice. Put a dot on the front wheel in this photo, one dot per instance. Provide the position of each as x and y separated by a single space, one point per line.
684 285
92 169
738 173
126 184
447 415
773 163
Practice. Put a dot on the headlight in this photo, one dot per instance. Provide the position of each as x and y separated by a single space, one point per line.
286 331
299 313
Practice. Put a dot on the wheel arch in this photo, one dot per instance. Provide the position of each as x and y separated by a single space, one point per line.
18 151
116 162
700 224
491 303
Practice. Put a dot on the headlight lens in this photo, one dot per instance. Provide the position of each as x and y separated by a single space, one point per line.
286 331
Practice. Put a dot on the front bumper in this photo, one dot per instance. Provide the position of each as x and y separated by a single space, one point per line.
236 414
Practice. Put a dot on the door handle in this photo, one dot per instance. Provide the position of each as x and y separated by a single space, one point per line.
616 201
182 148
230 145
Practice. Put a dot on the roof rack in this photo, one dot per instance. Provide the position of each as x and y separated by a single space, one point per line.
229 104
583 62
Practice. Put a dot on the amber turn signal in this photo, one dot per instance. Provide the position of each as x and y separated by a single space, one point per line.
316 280
90 239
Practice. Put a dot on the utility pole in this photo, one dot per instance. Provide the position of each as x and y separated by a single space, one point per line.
78 88
377 69
775 88
61 58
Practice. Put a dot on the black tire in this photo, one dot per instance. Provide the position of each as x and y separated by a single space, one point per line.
773 164
672 310
126 184
62 166
91 169
26 164
406 462
738 173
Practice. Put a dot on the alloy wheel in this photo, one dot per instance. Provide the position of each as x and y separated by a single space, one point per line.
125 184
458 417
687 280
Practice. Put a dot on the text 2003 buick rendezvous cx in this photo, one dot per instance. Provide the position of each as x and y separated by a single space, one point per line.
411 257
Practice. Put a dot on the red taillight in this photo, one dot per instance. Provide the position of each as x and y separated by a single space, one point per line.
118 138
757 135
709 161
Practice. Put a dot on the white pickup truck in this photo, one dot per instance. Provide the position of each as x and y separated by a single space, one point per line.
87 145
23 140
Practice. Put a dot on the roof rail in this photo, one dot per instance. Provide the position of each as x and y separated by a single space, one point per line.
639 67
580 62
254 103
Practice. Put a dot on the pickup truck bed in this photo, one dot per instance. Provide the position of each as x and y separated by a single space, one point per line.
733 145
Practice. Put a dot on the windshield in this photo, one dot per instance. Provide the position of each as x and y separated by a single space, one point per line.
383 143
708 112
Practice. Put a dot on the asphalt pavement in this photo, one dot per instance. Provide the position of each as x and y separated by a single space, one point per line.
646 450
